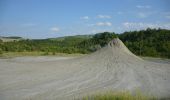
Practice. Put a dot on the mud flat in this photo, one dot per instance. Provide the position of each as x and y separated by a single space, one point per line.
113 67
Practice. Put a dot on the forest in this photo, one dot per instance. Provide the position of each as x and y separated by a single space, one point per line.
149 42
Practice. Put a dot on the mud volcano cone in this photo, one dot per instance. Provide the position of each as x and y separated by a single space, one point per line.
114 67
114 51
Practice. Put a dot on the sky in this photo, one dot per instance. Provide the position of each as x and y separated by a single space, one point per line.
56 18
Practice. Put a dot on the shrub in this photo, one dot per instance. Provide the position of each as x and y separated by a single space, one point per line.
1 52
46 53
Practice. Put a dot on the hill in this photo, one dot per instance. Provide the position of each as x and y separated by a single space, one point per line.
149 42
69 37
10 39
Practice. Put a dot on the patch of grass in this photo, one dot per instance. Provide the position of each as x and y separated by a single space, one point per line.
20 54
118 96
16 54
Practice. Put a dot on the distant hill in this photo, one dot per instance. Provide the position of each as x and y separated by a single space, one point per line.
10 38
149 42
69 37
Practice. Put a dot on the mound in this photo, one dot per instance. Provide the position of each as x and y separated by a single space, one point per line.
113 68
114 50
116 68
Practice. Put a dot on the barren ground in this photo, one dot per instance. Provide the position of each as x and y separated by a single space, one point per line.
113 67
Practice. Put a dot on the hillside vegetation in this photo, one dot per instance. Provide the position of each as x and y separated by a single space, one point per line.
149 42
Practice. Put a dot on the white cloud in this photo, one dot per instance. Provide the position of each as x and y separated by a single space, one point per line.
140 25
133 25
146 14
142 15
85 17
90 25
143 7
168 16
98 31
54 29
104 24
104 16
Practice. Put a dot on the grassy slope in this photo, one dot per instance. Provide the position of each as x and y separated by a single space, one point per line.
118 96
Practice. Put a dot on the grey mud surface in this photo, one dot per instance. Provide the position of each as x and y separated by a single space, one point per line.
113 67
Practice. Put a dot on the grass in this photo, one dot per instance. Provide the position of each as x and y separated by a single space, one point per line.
20 54
118 96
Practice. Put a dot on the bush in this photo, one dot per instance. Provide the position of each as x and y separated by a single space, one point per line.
46 53
103 38
53 53
1 52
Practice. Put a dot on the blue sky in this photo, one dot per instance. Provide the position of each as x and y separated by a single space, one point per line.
55 18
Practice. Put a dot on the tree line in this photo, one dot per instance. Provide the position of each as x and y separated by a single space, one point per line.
149 42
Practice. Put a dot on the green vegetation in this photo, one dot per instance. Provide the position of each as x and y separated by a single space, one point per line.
44 45
71 44
149 42
118 96
96 42
1 52
35 53
16 54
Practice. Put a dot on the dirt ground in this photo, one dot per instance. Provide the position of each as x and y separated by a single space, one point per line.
113 67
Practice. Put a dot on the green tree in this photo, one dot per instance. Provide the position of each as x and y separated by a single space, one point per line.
104 38
1 52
